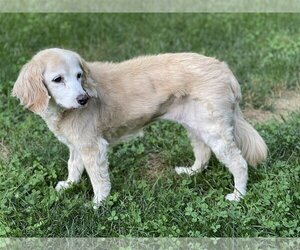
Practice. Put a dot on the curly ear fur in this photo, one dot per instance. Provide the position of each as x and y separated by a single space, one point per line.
88 83
30 89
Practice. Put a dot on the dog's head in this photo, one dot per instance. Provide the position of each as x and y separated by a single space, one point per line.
54 73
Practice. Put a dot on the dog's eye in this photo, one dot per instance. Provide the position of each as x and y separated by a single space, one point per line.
79 75
57 79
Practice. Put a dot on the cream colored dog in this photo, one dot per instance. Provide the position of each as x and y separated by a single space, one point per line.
89 106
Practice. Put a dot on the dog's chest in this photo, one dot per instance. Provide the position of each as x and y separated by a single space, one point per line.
52 120
53 126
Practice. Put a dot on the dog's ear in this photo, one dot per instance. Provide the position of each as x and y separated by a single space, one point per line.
88 82
30 88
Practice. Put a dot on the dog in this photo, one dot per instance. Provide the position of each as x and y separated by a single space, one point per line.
90 106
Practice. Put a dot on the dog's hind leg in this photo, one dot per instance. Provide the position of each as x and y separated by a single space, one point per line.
219 137
212 121
75 169
202 154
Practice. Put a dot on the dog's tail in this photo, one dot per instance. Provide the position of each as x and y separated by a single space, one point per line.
253 147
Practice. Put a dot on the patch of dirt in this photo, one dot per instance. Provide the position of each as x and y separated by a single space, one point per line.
286 103
4 152
156 167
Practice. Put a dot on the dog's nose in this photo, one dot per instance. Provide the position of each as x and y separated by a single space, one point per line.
82 99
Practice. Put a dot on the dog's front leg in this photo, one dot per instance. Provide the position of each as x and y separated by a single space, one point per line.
75 169
96 164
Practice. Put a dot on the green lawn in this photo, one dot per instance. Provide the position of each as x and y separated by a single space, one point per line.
148 199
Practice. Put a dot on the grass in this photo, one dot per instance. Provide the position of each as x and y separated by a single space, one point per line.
148 199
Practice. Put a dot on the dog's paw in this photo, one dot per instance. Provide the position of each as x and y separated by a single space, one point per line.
97 202
187 170
235 196
92 205
183 170
63 185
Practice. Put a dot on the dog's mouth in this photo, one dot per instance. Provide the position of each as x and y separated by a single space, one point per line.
61 106
75 108
82 106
